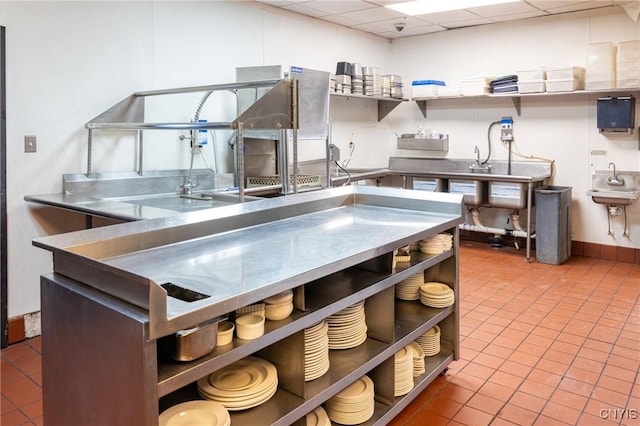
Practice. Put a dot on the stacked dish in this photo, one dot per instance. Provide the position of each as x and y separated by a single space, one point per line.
195 413
244 384
436 295
403 363
436 244
318 417
418 359
430 341
316 351
347 328
354 404
279 307
409 288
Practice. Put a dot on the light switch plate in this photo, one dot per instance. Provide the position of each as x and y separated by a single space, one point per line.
29 143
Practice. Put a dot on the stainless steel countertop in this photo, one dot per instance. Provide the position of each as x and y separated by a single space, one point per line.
240 254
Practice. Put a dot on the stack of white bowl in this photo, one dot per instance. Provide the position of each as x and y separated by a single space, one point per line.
244 384
436 295
316 351
429 341
353 405
279 307
318 417
409 288
195 413
403 369
418 359
436 244
347 328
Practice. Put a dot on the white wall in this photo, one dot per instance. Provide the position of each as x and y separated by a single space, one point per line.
69 61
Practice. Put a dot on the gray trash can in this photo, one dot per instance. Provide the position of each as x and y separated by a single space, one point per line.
553 224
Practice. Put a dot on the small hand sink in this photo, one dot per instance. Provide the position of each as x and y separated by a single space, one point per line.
613 197
604 192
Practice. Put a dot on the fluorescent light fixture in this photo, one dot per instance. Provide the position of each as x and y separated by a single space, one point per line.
423 7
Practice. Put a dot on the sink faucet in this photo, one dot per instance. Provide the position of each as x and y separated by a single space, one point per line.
479 165
613 180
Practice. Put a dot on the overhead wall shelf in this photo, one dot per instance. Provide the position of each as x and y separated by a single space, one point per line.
385 105
516 97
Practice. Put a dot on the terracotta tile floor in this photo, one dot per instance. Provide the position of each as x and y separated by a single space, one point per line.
541 345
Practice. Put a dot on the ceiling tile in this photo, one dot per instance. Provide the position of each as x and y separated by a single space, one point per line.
451 16
516 16
330 7
502 9
561 6
304 10
466 23
374 14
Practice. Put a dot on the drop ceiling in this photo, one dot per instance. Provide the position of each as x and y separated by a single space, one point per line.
371 16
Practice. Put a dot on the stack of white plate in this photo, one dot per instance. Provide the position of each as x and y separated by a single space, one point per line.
436 244
430 341
316 351
244 384
318 417
354 404
409 288
195 413
403 362
347 328
418 359
436 295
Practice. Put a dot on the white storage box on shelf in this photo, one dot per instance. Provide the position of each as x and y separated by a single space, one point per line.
531 75
531 86
426 88
566 85
475 86
628 64
600 72
565 73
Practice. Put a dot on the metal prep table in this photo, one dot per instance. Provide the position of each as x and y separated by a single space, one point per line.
116 290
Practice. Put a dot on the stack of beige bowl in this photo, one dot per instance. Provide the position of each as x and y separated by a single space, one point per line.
316 351
318 417
244 384
418 359
195 413
437 295
347 328
436 244
354 404
403 363
409 288
430 341
279 307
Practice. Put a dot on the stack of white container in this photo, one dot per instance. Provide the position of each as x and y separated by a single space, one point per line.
531 81
628 64
564 79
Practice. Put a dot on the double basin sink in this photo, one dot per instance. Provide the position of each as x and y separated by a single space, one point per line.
620 189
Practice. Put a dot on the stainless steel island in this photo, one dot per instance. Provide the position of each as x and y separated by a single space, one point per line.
116 292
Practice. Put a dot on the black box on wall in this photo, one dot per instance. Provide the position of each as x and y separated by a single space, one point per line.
616 114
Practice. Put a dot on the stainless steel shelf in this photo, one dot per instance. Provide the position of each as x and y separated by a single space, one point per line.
385 105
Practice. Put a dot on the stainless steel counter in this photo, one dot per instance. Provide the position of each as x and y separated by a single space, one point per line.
186 268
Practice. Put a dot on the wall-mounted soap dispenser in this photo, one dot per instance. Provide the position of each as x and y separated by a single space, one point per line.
616 115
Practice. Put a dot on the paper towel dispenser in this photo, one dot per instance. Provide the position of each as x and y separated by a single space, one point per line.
616 114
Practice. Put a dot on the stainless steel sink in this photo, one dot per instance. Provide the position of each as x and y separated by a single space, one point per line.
621 193
613 197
